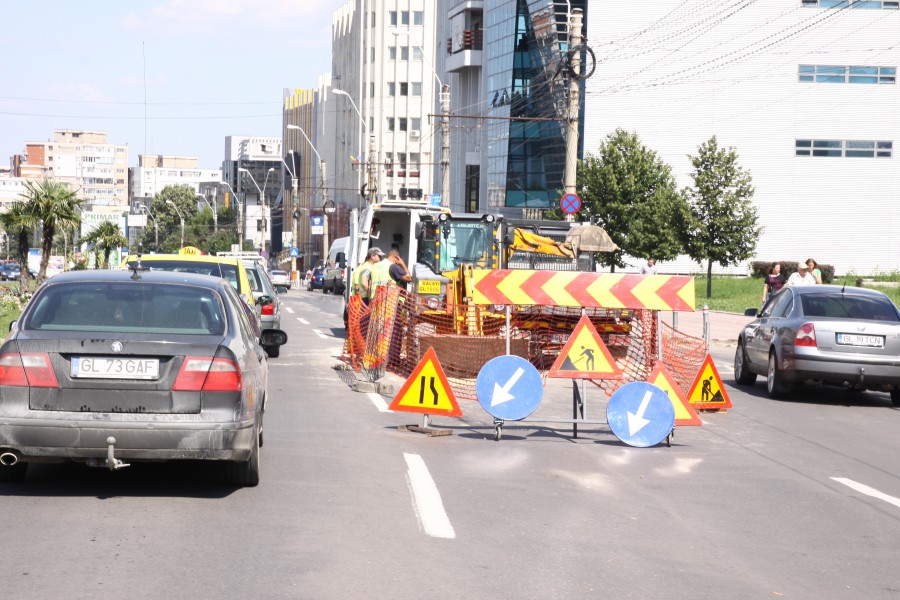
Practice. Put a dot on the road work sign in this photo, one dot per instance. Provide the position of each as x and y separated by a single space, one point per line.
509 388
707 391
427 390
684 412
640 414
585 356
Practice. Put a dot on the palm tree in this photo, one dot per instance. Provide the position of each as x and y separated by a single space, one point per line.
56 206
18 222
107 235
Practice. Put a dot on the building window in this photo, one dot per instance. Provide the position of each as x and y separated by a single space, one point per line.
390 123
373 18
414 158
417 53
392 88
392 53
876 4
846 74
372 54
415 123
393 17
401 158
404 89
404 17
844 148
403 123
404 53
416 88
372 90
473 180
418 17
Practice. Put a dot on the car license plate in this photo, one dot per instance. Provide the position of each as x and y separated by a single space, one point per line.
429 286
856 339
100 367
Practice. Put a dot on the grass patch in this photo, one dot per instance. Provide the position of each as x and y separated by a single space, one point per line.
735 294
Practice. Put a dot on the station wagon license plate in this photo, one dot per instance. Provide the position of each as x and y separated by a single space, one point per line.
856 339
101 367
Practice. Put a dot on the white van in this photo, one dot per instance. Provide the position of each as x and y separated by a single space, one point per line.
335 280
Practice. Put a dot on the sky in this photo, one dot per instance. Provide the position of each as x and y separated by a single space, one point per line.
171 77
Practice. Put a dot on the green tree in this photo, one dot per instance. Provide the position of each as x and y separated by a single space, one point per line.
56 206
723 225
630 192
185 199
106 236
19 222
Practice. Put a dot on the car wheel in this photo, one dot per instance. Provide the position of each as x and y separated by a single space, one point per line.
775 383
273 351
13 473
895 396
245 474
742 373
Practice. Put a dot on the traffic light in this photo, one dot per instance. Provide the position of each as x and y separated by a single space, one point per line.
414 193
403 193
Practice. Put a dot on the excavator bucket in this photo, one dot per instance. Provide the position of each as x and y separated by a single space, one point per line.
590 238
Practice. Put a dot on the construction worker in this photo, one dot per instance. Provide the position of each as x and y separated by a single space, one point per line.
370 277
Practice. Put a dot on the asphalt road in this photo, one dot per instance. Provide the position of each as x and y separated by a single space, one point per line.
764 500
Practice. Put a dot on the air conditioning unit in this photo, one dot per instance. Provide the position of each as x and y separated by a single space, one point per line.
414 134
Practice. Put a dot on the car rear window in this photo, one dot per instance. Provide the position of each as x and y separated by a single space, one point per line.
127 307
846 306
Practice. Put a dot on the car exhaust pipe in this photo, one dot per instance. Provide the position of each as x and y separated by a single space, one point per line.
9 458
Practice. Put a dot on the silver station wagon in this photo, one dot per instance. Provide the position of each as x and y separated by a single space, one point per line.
822 334
112 367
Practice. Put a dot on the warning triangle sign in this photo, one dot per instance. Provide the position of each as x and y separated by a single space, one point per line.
684 412
427 390
707 391
585 356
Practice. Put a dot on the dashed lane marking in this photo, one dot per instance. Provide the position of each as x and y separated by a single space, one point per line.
320 334
427 499
289 309
868 491
302 320
378 401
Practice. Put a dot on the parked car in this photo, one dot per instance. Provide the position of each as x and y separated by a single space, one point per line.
281 280
270 312
10 271
336 267
109 367
317 279
822 334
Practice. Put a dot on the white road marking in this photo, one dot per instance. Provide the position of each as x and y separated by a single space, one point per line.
426 499
320 334
378 401
868 491
289 309
302 320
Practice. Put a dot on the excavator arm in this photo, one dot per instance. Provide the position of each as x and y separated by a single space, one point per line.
527 241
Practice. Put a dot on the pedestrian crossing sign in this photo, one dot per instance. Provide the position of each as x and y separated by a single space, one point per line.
427 390
684 412
585 356
707 391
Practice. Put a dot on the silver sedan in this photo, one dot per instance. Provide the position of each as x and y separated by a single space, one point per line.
822 335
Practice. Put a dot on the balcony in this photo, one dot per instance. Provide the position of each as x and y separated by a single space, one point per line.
464 50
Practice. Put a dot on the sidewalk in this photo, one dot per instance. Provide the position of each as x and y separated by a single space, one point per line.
723 326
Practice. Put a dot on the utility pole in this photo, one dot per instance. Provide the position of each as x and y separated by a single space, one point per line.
295 221
575 22
445 146
370 168
325 209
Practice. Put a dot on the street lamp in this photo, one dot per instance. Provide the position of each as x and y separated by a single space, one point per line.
325 201
155 224
262 199
445 122
370 159
180 216
213 209
240 213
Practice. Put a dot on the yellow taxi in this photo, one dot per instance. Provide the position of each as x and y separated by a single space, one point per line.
229 269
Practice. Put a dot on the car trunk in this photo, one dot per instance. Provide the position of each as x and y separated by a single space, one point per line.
867 338
99 377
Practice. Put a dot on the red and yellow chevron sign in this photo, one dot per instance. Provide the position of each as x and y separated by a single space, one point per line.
590 290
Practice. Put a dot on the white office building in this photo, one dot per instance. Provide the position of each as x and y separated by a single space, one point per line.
805 91
154 172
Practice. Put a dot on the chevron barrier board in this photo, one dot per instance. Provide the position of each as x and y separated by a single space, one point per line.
590 290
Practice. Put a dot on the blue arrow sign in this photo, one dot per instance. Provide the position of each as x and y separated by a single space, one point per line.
640 414
509 388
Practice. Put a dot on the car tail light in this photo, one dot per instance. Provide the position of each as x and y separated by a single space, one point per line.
806 336
27 370
268 309
205 374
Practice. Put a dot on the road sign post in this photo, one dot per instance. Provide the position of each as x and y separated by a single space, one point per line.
427 391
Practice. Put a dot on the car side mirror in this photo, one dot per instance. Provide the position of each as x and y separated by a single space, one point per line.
265 300
751 312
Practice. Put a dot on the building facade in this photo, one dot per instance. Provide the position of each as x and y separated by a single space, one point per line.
154 172
252 169
805 91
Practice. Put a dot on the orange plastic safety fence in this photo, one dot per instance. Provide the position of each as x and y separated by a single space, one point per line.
395 330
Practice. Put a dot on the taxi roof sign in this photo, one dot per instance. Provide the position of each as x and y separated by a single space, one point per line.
427 390
707 391
585 356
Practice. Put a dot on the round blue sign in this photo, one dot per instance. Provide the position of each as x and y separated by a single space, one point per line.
509 387
570 204
640 414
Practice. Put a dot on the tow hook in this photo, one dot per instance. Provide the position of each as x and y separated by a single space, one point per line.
113 463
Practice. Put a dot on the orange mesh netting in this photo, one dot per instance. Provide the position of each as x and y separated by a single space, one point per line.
395 330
